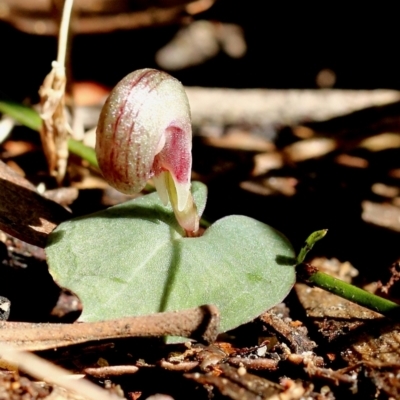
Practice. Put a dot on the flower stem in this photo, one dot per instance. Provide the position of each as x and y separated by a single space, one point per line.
64 28
312 276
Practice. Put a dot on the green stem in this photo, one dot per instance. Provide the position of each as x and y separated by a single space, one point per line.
205 223
313 277
309 244
31 119
83 151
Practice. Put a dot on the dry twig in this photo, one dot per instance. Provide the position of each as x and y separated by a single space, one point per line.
199 323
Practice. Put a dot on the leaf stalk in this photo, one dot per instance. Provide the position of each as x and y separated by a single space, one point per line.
313 277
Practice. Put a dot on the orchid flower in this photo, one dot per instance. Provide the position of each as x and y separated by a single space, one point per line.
144 132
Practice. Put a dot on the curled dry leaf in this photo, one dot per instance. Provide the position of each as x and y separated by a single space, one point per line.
55 127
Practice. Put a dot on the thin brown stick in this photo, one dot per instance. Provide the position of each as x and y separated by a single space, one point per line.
181 366
111 370
258 364
197 323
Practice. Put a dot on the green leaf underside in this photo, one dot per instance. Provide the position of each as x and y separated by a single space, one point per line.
132 259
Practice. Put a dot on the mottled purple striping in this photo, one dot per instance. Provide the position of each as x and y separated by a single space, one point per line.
114 155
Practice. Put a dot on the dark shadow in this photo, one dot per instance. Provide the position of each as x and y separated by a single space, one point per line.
88 201
33 294
362 123
134 210
285 260
55 237
172 273
209 326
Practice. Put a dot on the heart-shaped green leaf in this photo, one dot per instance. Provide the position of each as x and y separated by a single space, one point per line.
132 259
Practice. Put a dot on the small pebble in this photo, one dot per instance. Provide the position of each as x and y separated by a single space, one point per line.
5 306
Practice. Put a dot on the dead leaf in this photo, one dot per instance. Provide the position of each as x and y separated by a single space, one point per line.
55 127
